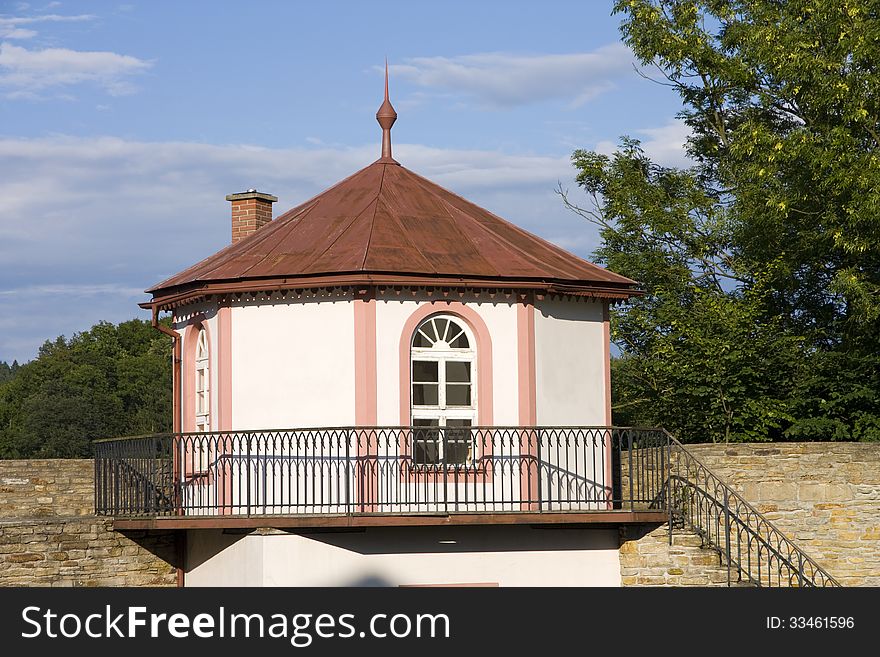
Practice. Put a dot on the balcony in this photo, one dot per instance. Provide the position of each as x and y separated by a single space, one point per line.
371 476
392 476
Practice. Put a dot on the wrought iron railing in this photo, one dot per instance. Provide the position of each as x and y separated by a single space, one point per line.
751 547
418 470
356 470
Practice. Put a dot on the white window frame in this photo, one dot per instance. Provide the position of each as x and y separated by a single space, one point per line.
202 399
441 353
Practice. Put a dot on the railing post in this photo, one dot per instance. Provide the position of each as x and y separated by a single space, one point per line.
537 434
727 530
348 474
247 462
670 482
445 469
629 446
116 496
800 570
97 480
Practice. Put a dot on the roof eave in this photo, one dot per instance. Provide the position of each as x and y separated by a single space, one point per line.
180 295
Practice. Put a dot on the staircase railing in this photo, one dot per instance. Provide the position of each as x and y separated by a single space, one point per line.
754 550
381 469
141 474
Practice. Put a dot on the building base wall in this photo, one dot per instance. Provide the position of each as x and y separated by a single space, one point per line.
405 556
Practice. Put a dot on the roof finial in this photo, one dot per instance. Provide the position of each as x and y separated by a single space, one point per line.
386 116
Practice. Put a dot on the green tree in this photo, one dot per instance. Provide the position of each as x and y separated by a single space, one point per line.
7 371
108 381
762 261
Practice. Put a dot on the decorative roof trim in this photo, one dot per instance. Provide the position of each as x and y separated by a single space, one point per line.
434 285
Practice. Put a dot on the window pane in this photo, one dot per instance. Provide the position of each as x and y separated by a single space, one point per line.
421 341
426 394
426 441
458 372
441 325
425 452
428 329
459 445
425 371
460 342
458 452
458 394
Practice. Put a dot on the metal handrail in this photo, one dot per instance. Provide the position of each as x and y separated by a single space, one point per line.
355 470
379 469
745 539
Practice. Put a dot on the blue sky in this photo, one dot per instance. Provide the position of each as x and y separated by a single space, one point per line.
124 125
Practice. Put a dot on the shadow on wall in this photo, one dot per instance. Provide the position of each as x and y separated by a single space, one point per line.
163 544
425 540
568 311
368 581
220 541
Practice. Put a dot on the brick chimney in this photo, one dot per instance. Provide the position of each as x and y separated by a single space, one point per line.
250 210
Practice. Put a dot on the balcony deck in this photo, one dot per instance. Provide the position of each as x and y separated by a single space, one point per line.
358 477
611 518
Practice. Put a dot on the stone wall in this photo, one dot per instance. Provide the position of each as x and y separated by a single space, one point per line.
49 535
647 559
38 488
823 496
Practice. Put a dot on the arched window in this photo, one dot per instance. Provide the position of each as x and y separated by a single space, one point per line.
443 373
203 383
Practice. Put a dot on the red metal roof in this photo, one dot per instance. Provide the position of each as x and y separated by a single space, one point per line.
388 224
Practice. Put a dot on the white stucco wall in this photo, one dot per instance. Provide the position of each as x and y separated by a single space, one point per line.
395 556
293 360
293 364
569 363
500 318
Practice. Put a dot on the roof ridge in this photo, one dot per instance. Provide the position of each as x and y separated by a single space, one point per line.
493 234
325 191
289 216
463 235
378 196
342 232
402 231
266 232
558 250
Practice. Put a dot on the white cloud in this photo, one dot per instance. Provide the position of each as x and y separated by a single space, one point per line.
14 21
29 71
665 144
504 79
108 217
17 33
73 290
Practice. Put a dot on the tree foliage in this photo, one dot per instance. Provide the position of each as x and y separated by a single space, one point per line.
109 381
761 262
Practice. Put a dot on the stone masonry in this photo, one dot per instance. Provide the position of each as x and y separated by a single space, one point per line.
824 496
647 559
49 535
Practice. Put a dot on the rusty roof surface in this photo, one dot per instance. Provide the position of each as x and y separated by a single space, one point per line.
387 220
